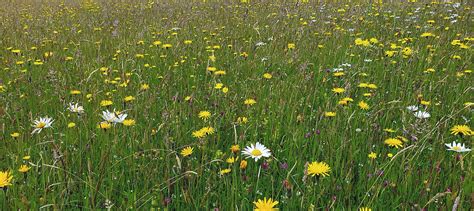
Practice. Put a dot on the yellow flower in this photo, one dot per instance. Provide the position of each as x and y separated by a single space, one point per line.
129 99
267 75
461 129
393 142
105 103
218 86
363 105
232 160
373 155
338 90
427 34
144 87
104 125
15 135
389 155
204 115
220 72
249 102
242 120
291 46
390 53
425 103
128 122
265 205
5 179
199 134
373 40
407 51
225 171
24 168
187 151
71 125
187 42
243 164
372 86
319 169
235 148
75 92
389 130
329 114
225 90
338 74
208 130
365 209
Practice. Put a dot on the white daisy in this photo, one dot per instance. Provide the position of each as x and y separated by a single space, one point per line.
256 151
457 147
75 108
43 122
422 115
412 108
113 117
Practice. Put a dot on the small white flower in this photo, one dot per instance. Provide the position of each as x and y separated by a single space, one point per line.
113 117
346 65
457 147
260 44
412 108
43 122
256 151
75 108
422 115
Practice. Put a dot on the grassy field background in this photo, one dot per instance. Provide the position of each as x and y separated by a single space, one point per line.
163 62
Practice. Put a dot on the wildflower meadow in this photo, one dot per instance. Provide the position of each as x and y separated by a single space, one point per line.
236 105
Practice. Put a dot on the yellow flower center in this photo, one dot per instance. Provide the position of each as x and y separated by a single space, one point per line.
256 152
41 125
456 148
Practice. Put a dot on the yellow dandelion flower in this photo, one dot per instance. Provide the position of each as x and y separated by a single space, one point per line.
129 99
249 102
461 129
363 105
267 76
318 169
329 114
5 179
338 90
372 155
15 135
225 171
204 115
105 103
187 151
393 142
24 168
243 164
265 205
128 122
71 125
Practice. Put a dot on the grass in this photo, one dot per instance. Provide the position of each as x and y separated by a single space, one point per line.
108 50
